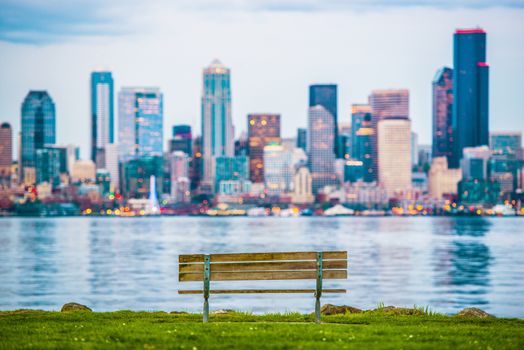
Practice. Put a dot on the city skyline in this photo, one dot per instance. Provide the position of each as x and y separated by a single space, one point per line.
361 73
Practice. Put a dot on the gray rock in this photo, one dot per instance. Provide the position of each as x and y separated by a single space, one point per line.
330 309
75 307
473 312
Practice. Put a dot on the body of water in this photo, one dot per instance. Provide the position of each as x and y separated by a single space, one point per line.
446 263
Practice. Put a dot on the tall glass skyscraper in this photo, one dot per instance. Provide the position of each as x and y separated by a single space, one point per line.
362 140
182 139
38 126
320 143
325 95
442 113
102 115
140 122
470 92
217 125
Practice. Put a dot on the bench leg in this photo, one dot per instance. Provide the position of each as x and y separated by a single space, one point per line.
317 310
206 310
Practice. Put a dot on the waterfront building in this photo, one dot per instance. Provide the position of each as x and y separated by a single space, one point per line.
217 125
140 122
506 160
179 172
321 157
443 181
6 154
386 104
195 172
83 171
278 169
302 187
361 164
230 168
263 129
182 139
474 163
362 195
112 165
470 92
302 138
137 174
49 163
394 155
102 115
103 180
38 128
325 95
443 113
234 187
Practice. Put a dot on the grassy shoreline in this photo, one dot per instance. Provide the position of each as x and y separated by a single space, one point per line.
31 329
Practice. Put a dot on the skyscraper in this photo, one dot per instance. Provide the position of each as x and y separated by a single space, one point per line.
470 92
6 153
443 113
102 115
363 135
230 168
394 155
38 127
302 138
321 138
325 95
386 104
140 122
217 124
263 129
182 139
278 168
506 159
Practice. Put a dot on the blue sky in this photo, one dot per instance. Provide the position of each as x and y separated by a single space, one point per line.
274 48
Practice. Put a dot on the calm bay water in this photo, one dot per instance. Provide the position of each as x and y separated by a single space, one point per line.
131 263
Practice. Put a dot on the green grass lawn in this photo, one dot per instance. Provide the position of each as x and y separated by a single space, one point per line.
159 330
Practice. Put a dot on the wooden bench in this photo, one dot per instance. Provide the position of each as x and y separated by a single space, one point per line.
262 266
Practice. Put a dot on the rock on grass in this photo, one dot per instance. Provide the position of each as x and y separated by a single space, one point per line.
473 312
75 307
330 309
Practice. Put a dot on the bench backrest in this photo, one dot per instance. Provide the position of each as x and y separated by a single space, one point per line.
263 266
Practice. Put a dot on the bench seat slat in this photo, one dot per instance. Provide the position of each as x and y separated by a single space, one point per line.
259 291
228 257
263 275
264 266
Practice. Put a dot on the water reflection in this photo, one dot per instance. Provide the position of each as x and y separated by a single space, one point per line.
462 262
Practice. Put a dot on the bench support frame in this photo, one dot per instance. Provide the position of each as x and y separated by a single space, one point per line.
207 274
318 292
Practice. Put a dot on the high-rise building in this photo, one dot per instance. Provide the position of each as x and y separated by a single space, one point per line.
443 113
230 168
195 172
386 104
83 171
138 173
394 155
302 138
506 143
6 153
49 163
112 166
325 95
470 116
506 159
38 127
321 138
182 139
443 181
363 138
217 125
414 148
180 186
302 186
263 129
278 169
102 115
140 122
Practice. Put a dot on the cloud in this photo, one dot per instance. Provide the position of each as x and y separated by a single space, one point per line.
50 21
